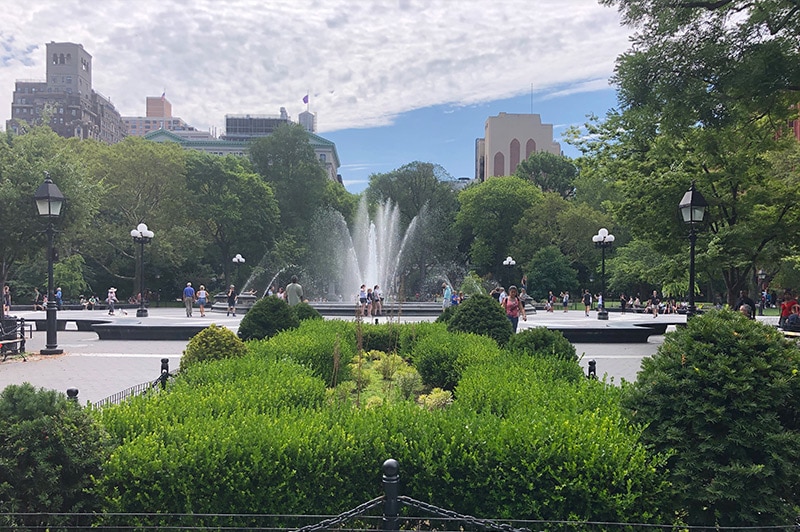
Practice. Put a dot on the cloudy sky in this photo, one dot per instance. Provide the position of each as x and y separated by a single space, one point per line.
393 71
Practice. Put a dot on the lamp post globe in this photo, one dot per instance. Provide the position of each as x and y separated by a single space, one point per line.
238 260
49 201
603 239
141 235
693 207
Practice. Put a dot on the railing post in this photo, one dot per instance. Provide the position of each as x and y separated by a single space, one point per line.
72 394
391 488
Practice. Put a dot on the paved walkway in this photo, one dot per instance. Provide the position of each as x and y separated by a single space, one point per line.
101 368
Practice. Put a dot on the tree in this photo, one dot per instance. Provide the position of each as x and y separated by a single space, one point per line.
549 270
234 207
51 452
720 400
487 217
550 172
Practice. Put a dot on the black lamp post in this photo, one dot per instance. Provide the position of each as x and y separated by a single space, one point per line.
509 263
238 260
49 201
603 240
693 208
141 235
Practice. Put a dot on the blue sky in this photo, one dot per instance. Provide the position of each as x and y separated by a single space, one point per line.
445 134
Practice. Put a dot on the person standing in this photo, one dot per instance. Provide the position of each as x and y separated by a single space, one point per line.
565 300
377 301
653 303
447 293
188 299
623 302
59 298
111 298
232 297
587 301
6 300
294 292
202 299
514 307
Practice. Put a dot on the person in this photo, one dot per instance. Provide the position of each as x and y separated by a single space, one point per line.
653 303
565 300
587 301
6 300
514 307
523 284
495 293
231 297
92 302
202 299
59 298
525 298
744 299
746 310
369 301
188 299
793 320
600 303
362 299
111 298
84 302
447 293
377 301
789 301
623 302
37 299
294 292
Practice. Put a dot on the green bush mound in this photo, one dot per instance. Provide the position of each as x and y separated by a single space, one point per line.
255 435
722 397
304 311
212 343
447 314
482 315
266 318
542 342
441 358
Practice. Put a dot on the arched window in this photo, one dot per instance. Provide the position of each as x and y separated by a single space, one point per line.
530 147
61 59
513 156
55 59
499 164
69 58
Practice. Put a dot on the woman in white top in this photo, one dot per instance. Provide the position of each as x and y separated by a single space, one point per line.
202 299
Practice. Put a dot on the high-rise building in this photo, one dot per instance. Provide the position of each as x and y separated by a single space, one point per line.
66 99
509 139
158 115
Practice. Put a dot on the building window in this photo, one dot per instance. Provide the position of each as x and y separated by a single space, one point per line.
322 157
499 164
61 59
55 59
513 156
530 147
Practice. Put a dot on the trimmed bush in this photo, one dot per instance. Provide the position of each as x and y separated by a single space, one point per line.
721 397
447 314
440 358
482 315
304 311
50 452
212 343
384 337
542 342
266 318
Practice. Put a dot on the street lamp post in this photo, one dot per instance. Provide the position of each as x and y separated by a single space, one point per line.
509 263
49 201
238 260
762 275
693 208
141 235
603 240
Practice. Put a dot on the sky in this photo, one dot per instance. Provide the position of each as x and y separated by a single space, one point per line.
391 81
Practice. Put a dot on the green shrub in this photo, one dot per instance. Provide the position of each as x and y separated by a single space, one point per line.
721 396
412 333
304 311
50 452
440 358
266 318
212 343
447 314
438 399
482 315
541 341
408 382
384 337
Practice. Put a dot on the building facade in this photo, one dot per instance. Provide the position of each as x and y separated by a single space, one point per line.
65 99
508 140
158 115
246 127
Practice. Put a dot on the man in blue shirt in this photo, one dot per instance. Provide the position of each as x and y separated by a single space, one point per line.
188 299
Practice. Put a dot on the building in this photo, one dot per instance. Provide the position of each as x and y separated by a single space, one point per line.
508 140
308 120
158 115
324 149
246 127
66 99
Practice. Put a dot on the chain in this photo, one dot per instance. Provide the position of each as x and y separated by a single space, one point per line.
341 518
483 523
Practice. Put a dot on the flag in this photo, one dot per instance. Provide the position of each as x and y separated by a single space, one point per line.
163 96
305 98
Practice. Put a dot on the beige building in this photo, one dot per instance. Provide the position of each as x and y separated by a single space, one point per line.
508 140
158 115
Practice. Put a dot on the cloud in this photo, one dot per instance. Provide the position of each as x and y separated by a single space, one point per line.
367 61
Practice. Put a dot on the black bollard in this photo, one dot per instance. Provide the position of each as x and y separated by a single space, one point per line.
72 394
391 488
592 374
164 372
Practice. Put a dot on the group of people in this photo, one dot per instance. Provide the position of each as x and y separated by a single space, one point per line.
370 300
293 294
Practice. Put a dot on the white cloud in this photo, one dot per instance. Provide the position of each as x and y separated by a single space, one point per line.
367 61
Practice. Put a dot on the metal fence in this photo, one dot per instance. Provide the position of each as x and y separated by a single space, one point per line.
139 389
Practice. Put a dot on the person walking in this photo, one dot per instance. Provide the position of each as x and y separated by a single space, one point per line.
202 299
188 299
653 303
232 296
111 298
587 301
514 307
294 292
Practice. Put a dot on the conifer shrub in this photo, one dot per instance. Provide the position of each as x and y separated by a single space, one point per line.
266 318
50 452
304 311
212 343
721 397
542 342
482 315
